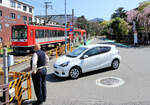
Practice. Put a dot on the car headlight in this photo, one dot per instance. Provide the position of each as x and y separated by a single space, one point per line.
65 64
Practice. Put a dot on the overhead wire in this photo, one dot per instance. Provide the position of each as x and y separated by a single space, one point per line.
31 2
40 5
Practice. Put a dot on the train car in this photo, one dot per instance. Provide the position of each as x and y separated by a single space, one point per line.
24 37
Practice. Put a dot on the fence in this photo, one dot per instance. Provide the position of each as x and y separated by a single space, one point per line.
16 86
60 50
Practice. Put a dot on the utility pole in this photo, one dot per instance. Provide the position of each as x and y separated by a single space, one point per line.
73 40
46 9
65 29
73 17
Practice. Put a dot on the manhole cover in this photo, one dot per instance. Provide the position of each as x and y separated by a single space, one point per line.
110 82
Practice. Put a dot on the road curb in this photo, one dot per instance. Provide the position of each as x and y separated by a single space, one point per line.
118 44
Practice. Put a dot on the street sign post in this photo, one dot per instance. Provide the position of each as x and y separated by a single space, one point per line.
135 38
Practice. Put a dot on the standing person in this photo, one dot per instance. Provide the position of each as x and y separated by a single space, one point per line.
84 39
38 65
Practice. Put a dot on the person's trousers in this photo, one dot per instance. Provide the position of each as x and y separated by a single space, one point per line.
39 82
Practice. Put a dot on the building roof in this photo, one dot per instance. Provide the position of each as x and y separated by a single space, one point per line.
24 3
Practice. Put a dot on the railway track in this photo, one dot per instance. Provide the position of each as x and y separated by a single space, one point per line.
20 59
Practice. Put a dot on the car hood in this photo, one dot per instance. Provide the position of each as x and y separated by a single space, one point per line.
63 59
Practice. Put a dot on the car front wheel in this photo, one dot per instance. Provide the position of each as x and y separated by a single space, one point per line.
115 64
74 73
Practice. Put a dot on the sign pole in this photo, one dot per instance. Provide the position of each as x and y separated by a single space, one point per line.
5 65
135 33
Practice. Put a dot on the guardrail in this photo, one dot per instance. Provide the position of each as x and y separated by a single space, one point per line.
60 50
17 88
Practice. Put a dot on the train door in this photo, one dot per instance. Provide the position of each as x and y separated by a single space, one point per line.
32 37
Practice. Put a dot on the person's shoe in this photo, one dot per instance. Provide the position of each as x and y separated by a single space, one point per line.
44 99
38 103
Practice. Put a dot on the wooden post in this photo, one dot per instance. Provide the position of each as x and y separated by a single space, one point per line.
71 48
29 86
56 53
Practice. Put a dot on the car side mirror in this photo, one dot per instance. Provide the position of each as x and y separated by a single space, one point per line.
85 56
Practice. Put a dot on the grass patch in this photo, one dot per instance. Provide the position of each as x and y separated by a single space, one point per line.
8 50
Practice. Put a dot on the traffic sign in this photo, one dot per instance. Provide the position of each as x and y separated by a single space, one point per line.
71 30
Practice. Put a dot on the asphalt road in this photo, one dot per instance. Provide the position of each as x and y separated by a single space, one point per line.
134 70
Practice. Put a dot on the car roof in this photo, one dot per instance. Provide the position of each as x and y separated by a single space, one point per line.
98 45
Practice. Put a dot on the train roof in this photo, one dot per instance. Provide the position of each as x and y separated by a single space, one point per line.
47 27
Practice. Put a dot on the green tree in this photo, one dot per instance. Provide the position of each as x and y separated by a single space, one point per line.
119 27
105 27
81 23
96 28
120 12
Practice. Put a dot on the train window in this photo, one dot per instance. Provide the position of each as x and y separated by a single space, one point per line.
59 33
46 33
19 33
41 33
49 33
62 33
52 33
56 33
37 33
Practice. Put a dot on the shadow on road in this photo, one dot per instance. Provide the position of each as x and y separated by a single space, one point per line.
52 78
96 72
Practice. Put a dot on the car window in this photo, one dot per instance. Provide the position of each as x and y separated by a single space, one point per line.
76 52
104 49
93 51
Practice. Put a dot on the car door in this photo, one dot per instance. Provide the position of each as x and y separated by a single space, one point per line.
89 63
103 57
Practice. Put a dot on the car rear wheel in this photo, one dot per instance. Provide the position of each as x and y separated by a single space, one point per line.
115 64
75 72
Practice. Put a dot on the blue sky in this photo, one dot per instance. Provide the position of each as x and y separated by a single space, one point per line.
89 8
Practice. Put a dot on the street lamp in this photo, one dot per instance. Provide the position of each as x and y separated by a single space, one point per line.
65 30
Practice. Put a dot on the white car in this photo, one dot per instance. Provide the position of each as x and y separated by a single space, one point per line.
87 58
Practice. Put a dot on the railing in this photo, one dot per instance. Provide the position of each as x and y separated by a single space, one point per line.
60 50
20 82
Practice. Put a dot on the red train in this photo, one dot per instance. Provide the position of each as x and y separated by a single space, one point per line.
24 37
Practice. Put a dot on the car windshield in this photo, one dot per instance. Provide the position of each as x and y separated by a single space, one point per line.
76 52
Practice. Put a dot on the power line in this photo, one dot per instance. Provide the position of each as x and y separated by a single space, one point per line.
33 3
27 1
36 1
